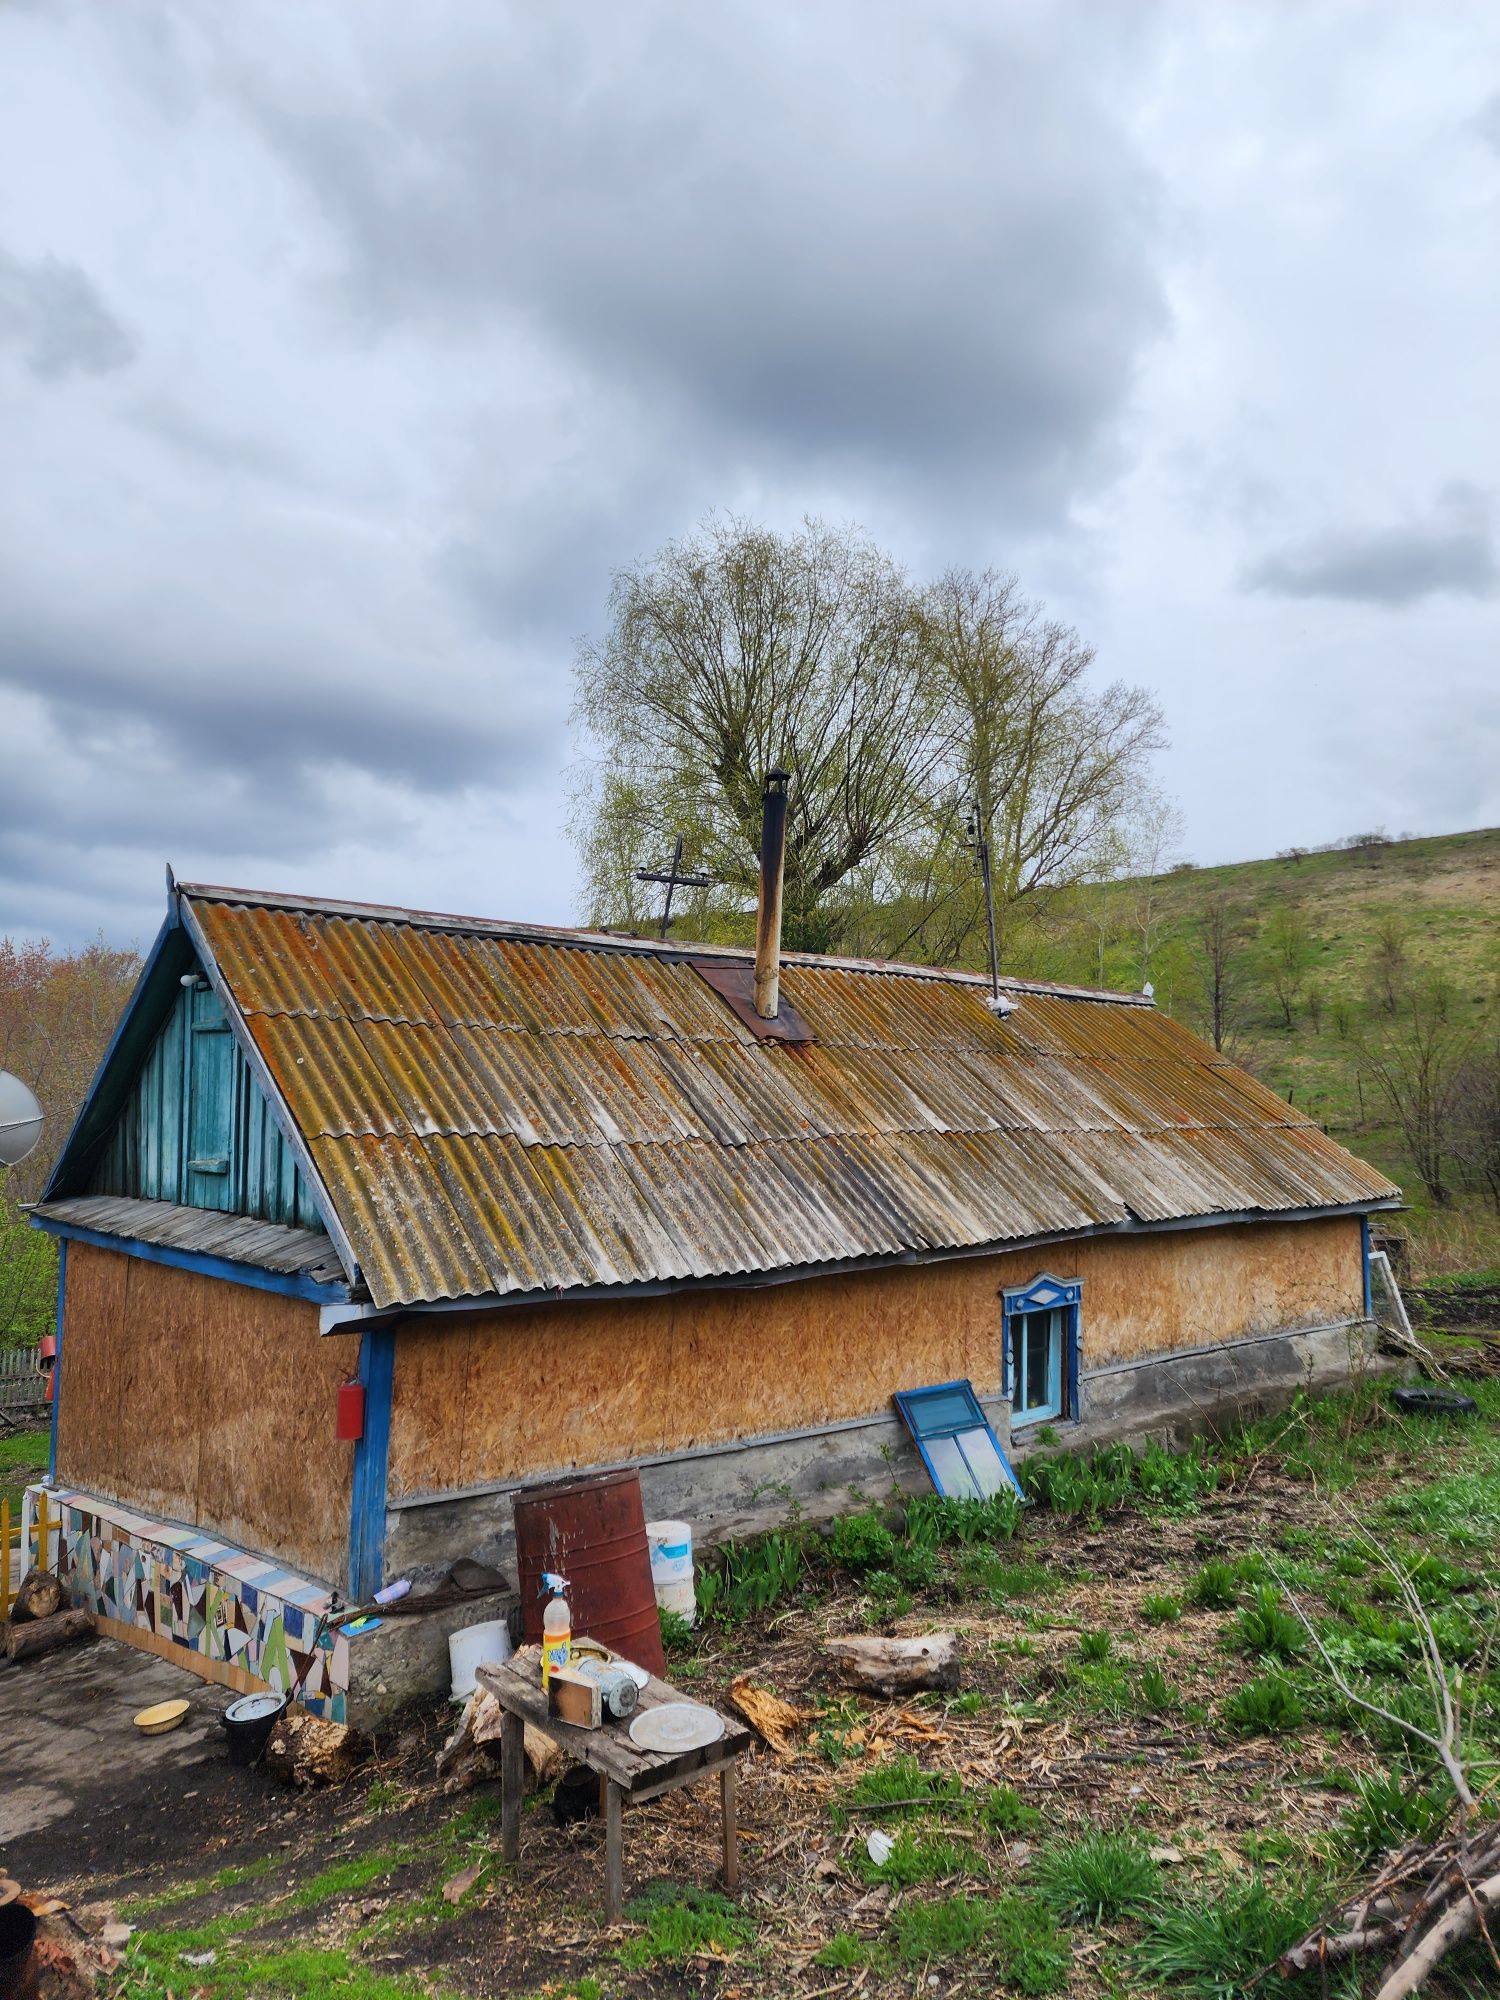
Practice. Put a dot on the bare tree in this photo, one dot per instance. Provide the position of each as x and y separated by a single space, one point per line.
1288 949
1476 1114
1417 1062
1389 965
1217 934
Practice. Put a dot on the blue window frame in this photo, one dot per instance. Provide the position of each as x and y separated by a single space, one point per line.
961 1452
1039 1349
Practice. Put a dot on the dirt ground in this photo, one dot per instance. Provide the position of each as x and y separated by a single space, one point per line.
386 1886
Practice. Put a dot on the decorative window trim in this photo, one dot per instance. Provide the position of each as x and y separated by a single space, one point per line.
1045 1293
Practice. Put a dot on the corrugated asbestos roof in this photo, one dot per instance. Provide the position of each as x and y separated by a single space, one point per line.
493 1110
205 1232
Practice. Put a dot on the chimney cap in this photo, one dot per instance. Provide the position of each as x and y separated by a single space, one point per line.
776 776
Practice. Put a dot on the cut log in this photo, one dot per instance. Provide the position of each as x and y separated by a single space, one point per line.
897 1666
39 1597
43 1635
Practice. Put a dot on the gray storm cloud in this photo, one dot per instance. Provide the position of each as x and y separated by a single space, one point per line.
1448 549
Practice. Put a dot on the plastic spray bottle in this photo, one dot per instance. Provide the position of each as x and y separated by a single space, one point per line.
557 1626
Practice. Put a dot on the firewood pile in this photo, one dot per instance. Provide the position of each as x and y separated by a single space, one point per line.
1433 1897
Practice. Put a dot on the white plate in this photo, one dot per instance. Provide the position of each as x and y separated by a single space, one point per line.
676 1725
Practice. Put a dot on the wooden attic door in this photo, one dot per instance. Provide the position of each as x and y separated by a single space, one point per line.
210 1102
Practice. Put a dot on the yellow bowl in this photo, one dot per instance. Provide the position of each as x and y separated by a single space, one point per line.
164 1716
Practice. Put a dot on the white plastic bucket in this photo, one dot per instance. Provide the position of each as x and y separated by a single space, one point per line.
473 1646
671 1544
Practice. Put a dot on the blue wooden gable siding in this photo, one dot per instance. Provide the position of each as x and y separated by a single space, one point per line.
196 1128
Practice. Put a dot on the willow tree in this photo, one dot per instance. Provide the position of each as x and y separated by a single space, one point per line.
1050 766
728 653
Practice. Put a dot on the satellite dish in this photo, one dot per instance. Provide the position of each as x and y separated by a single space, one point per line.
20 1120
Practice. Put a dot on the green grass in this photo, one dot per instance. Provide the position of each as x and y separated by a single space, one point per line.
1096 1878
680 1924
1015 1935
1095 1647
1266 1630
154 1970
921 1857
23 1458
903 1779
187 1892
1216 1587
1161 1610
1216 1941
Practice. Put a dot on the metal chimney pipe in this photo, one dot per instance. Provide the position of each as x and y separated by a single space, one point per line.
768 916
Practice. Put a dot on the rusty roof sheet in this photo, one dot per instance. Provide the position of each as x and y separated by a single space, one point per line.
498 1110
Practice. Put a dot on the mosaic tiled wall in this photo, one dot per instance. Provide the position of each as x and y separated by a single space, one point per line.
233 1617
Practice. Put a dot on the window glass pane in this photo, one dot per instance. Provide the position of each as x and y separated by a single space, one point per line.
941 1410
950 1473
1038 1350
984 1461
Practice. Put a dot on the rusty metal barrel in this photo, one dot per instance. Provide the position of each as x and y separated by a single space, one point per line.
592 1530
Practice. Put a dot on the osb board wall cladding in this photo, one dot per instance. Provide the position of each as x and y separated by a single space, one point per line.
206 1403
486 1397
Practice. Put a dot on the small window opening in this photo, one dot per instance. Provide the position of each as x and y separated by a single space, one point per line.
1040 1344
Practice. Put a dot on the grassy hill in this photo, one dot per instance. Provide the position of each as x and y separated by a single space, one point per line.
1373 924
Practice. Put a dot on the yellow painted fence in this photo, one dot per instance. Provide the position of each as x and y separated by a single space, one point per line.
29 1542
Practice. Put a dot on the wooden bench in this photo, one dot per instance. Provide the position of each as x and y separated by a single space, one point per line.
626 1771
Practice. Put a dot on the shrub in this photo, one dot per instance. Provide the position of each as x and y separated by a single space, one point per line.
1267 1707
1216 1587
1161 1610
1095 1878
1265 1629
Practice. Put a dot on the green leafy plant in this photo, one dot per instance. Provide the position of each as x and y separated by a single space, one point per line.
750 1577
918 1857
935 1521
1096 1878
1389 1811
677 1636
1266 1707
844 1953
1095 1646
1216 1587
1164 1610
901 1783
860 1542
1266 1630
1158 1696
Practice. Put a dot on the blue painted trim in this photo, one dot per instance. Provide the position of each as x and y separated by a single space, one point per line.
166 938
372 1454
290 1284
57 1359
1364 1252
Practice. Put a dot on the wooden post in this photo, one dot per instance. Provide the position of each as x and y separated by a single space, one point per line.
512 1783
614 1866
728 1796
41 1531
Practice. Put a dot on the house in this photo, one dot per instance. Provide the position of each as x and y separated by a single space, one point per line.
555 1199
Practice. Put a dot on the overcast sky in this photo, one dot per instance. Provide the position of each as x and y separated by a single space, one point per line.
345 350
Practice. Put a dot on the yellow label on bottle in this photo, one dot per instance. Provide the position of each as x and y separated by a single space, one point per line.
556 1652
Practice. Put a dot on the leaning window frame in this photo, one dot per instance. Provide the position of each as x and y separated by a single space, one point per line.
1044 1293
904 1400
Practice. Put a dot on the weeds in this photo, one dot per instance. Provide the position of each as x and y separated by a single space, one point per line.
677 1634
1095 1646
1015 1934
1096 1878
1389 1812
1265 1630
1158 1696
936 1522
1162 1610
918 1857
1216 1587
751 1576
1267 1707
